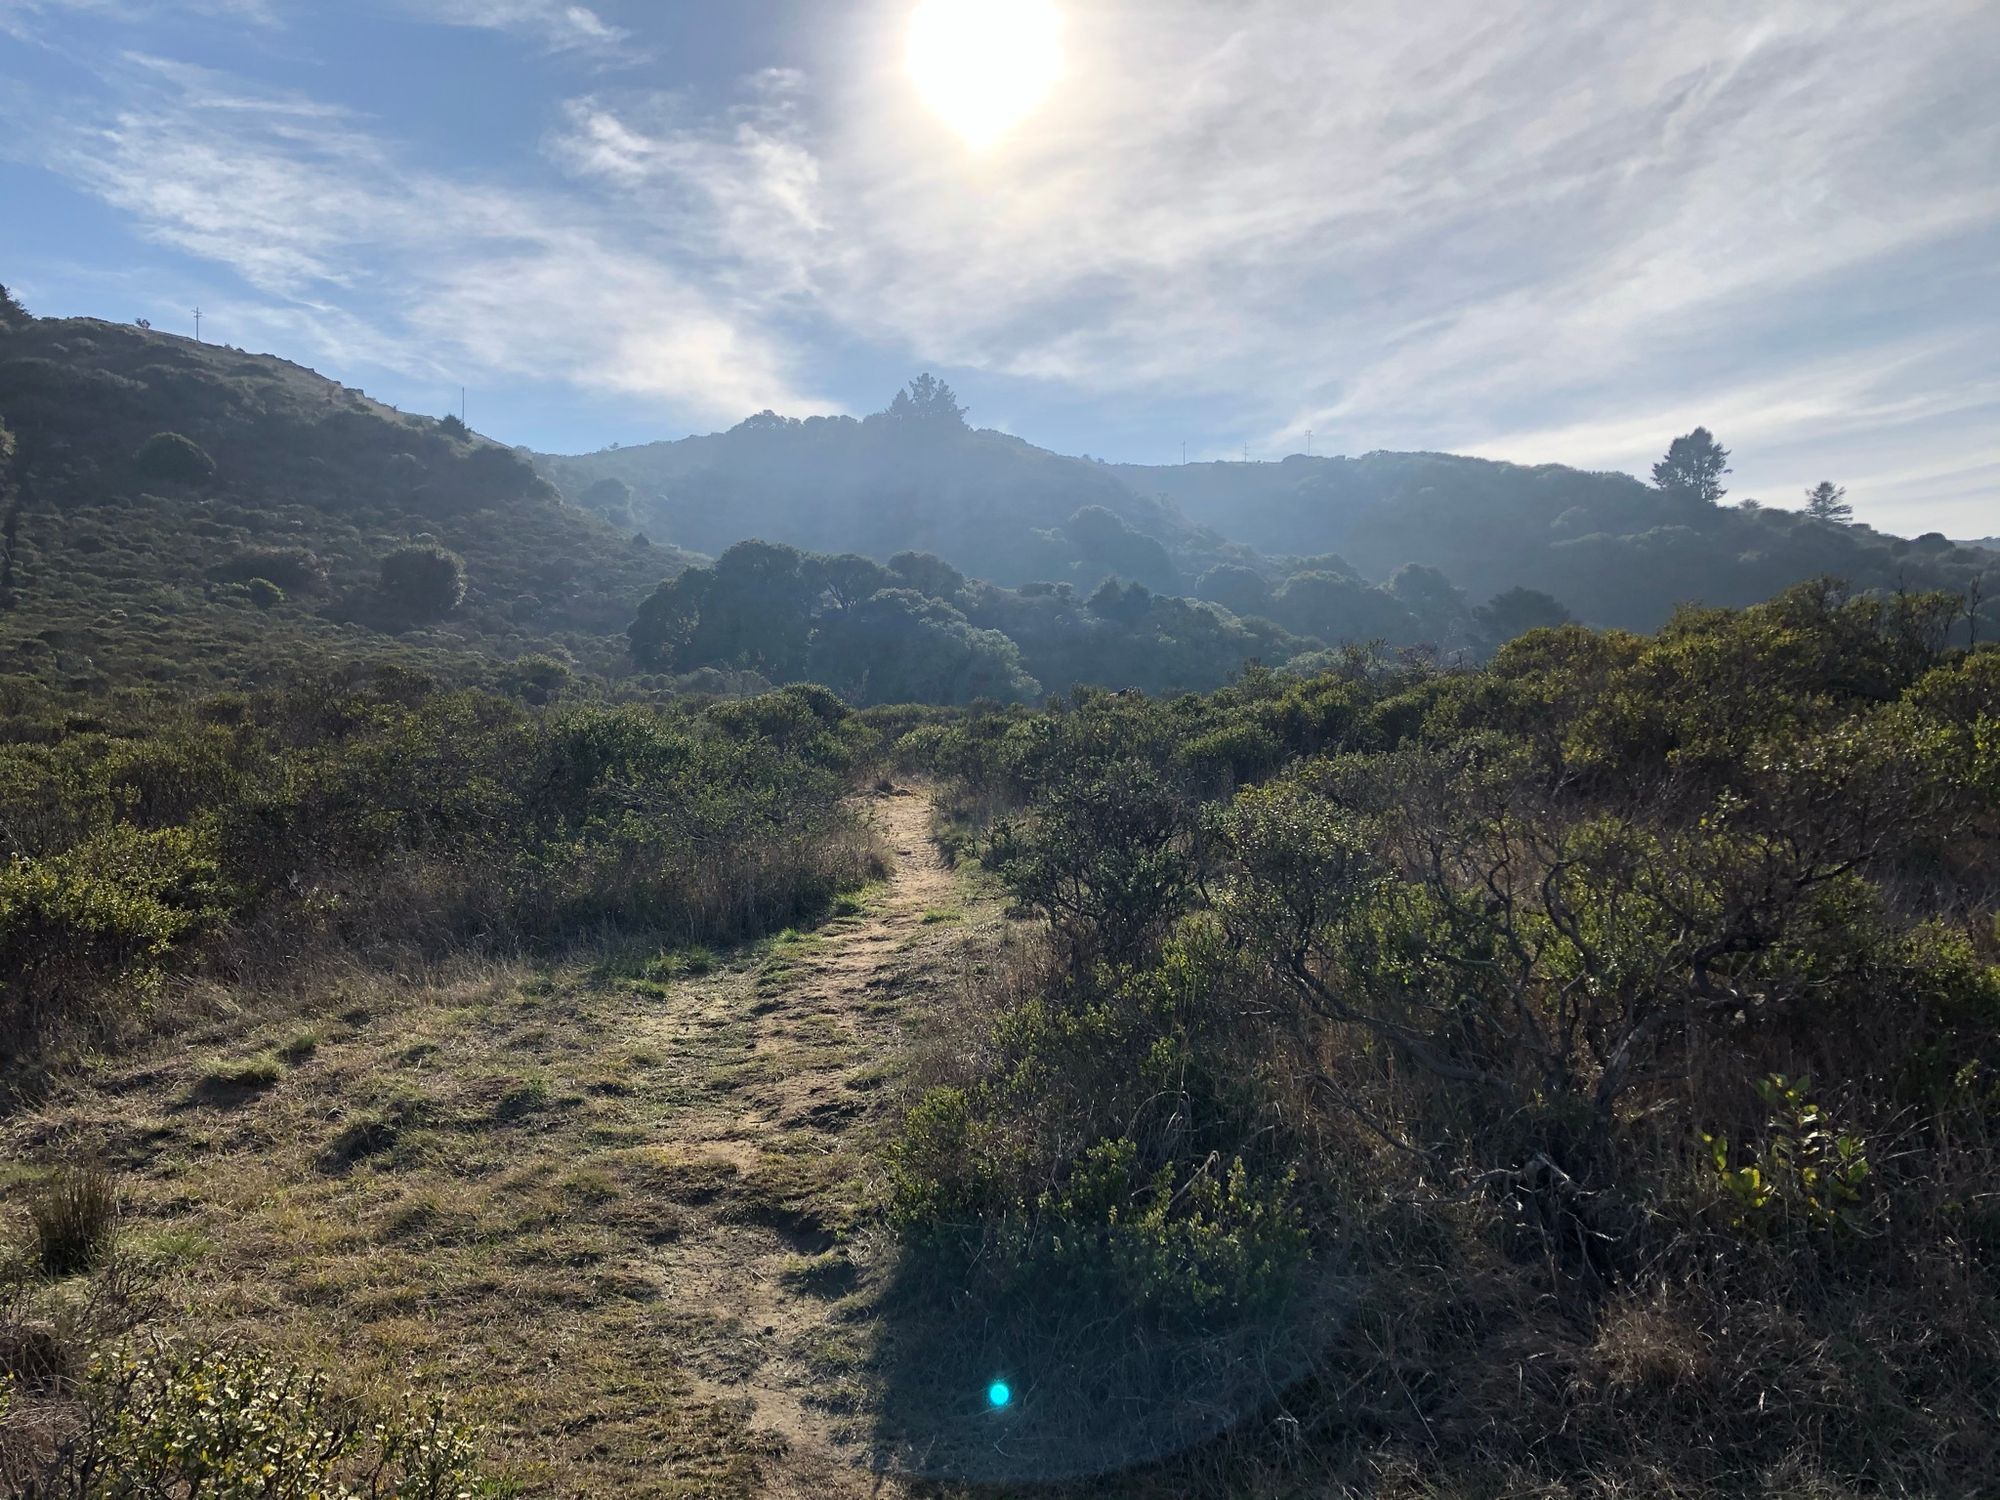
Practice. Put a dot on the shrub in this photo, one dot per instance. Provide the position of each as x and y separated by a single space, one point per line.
264 593
423 582
227 1424
294 568
82 926
170 457
73 1217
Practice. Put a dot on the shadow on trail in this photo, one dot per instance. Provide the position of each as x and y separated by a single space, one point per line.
1094 1389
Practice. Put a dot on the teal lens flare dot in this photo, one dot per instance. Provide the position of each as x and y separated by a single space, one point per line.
998 1395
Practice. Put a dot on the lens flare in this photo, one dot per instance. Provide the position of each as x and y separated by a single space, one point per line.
985 65
998 1394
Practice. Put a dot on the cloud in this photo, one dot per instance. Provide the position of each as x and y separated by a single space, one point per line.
1485 225
323 216
1449 231
552 23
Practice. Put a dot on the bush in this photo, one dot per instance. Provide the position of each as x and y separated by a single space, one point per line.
264 593
170 457
73 1218
423 582
234 1425
294 568
96 923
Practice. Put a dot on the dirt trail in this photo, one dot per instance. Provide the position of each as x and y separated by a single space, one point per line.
770 1155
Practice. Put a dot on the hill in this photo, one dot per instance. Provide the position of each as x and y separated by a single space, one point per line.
1606 548
913 477
251 539
1615 551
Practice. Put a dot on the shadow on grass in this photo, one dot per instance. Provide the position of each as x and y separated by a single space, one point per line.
1094 1388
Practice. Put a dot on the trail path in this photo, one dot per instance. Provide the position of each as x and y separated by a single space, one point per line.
771 1149
625 1213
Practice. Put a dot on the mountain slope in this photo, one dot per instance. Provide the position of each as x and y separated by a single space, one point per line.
984 501
137 560
1614 550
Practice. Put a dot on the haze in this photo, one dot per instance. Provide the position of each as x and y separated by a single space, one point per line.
1504 230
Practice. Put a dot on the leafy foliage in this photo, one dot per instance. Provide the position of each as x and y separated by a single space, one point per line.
233 1425
380 807
423 582
1624 973
169 456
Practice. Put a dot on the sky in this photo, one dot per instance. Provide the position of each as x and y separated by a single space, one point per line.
1539 232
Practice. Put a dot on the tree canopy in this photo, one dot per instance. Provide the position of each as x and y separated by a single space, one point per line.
1693 468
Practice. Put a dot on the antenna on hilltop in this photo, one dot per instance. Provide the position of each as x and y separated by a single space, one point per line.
197 325
1309 442
461 406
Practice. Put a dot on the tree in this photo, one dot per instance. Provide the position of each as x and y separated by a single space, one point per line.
899 647
12 314
173 458
1103 539
1693 468
850 578
1439 606
1335 609
1827 501
610 497
423 582
928 574
1240 590
752 609
1515 613
929 402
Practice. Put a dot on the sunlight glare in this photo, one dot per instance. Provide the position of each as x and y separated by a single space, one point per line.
985 65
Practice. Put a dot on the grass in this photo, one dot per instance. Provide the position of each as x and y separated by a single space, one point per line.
260 1070
523 1182
73 1217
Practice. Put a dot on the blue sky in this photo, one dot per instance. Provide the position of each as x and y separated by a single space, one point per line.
1530 231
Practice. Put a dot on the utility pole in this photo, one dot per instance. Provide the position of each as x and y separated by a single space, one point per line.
461 406
1184 451
197 325
1309 442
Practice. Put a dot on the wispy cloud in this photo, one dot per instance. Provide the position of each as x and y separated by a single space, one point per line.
321 215
1485 225
551 23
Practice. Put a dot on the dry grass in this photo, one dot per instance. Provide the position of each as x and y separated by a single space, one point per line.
535 1186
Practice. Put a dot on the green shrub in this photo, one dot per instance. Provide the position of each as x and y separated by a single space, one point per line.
264 593
423 582
73 1217
233 1426
99 920
177 460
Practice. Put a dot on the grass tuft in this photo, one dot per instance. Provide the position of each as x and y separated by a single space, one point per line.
74 1218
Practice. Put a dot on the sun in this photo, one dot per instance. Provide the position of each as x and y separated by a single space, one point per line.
985 65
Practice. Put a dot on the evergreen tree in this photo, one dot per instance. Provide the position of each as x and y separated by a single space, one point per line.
929 402
1693 467
1827 501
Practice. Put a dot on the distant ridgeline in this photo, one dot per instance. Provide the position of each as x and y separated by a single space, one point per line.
1615 551
190 514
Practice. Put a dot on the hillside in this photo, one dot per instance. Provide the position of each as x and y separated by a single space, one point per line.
1615 551
136 565
915 477
1610 549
